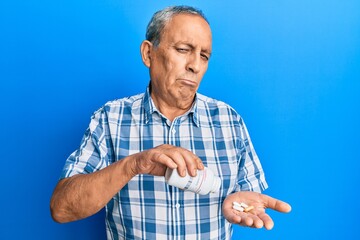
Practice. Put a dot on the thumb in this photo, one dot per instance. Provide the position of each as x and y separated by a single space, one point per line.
276 204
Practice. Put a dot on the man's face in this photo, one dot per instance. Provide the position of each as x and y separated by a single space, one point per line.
180 61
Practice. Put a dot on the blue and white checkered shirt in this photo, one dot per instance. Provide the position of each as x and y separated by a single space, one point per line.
147 207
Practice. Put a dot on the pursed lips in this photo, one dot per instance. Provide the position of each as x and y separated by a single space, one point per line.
188 82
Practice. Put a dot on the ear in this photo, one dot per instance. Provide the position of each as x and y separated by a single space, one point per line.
145 50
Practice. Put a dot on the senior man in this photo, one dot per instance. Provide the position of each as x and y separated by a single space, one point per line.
130 143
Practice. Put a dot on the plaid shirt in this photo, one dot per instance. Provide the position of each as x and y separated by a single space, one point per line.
147 207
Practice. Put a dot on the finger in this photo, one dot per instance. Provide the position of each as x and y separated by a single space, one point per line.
276 204
192 162
247 220
250 220
176 156
257 222
166 160
267 221
244 219
200 164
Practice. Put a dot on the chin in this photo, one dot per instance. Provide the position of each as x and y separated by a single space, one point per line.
187 95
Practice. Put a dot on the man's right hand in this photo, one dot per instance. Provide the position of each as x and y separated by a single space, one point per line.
155 161
82 195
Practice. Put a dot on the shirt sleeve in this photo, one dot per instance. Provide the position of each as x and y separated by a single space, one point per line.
93 153
251 175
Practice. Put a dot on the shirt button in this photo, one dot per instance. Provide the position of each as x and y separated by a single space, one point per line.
177 205
173 131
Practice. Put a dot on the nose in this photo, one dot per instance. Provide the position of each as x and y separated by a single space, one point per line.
193 63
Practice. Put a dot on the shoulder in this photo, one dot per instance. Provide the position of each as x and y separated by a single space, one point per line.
211 102
130 101
216 107
120 106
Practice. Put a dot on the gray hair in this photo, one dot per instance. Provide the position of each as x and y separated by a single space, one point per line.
161 18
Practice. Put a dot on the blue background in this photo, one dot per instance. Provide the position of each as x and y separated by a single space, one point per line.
290 68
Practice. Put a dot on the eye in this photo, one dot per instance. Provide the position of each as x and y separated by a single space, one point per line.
205 57
182 50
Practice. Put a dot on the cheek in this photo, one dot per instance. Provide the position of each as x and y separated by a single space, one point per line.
159 68
174 68
203 71
168 67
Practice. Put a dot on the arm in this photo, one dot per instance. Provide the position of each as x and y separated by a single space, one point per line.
83 195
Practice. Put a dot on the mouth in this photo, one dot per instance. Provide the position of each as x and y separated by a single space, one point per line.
188 82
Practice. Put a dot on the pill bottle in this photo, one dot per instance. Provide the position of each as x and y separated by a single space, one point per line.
203 183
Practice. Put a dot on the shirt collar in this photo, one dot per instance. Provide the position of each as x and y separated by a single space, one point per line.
150 108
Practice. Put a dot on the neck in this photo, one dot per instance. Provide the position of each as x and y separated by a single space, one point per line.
173 109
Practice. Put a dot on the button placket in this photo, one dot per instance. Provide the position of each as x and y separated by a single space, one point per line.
175 197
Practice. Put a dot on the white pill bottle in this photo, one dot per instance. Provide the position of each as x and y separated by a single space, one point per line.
204 182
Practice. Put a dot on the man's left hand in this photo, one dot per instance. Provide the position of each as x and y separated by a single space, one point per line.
257 217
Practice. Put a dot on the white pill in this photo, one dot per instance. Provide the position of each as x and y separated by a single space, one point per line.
244 205
238 208
237 204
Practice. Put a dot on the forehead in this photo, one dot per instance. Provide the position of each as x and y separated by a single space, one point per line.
188 28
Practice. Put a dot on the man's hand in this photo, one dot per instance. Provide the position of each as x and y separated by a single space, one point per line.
85 194
257 217
155 161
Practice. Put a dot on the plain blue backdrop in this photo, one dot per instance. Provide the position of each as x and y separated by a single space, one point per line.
290 68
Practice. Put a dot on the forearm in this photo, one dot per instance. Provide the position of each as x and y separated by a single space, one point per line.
83 195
